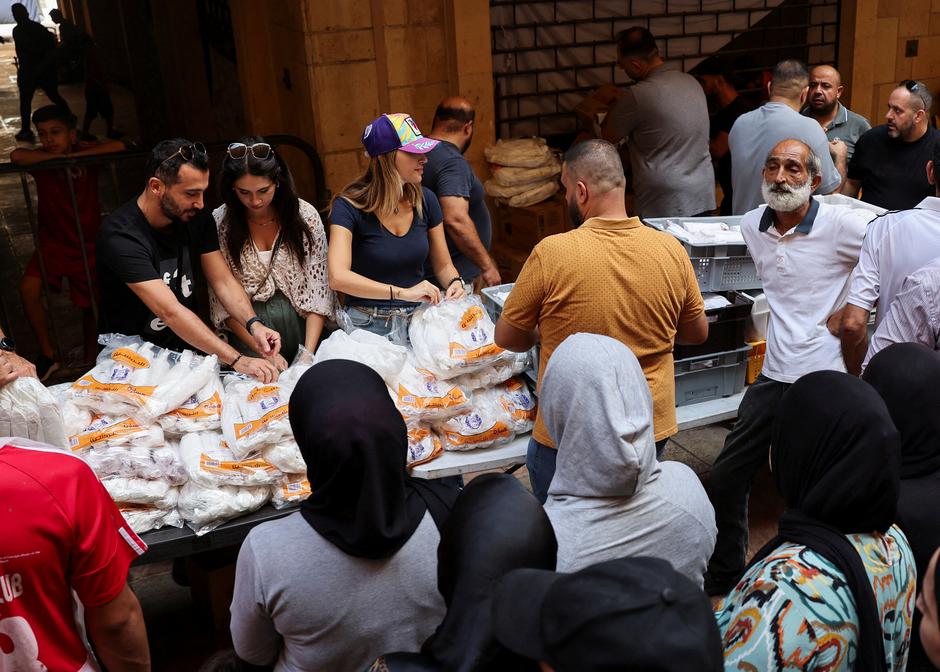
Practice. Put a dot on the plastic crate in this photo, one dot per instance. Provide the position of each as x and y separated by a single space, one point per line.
710 376
726 329
733 221
716 274
493 299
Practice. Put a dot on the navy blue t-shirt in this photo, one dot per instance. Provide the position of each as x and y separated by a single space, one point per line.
382 256
447 173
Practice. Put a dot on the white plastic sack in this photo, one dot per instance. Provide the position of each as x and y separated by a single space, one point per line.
104 431
122 461
144 518
28 410
515 399
202 412
204 509
423 444
139 491
209 462
303 360
508 365
523 152
485 425
292 489
167 459
75 418
420 395
138 379
376 352
454 337
285 457
254 415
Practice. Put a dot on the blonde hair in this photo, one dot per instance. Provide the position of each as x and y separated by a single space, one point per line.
380 188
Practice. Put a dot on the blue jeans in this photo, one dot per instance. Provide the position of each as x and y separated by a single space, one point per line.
389 322
540 462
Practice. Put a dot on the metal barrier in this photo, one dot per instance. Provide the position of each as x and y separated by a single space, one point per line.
127 176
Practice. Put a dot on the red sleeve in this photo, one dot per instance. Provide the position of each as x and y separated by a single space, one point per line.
104 544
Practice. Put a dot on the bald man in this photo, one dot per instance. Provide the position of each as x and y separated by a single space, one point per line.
824 105
467 224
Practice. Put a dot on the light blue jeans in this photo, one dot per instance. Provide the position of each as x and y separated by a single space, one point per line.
390 322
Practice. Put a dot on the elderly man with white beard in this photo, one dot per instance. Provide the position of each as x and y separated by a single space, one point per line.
804 252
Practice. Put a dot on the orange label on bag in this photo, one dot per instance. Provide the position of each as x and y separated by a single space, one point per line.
123 428
471 317
461 353
137 393
130 507
497 431
262 392
296 489
207 409
453 397
215 466
243 429
131 358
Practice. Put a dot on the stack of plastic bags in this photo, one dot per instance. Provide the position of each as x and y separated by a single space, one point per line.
525 172
30 411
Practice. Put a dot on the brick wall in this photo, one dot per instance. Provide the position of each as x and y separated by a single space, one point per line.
549 54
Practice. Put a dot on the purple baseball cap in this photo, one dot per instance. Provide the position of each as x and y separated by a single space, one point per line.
395 131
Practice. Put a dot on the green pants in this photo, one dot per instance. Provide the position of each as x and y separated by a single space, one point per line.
279 314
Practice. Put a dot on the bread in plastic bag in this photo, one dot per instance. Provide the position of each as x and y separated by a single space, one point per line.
516 400
204 509
254 415
143 518
485 425
454 337
140 491
285 457
106 431
522 152
420 395
303 360
135 378
376 352
202 412
423 444
209 462
32 412
508 365
290 490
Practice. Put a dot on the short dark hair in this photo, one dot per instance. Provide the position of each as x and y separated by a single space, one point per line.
637 42
597 163
165 160
452 119
55 113
789 78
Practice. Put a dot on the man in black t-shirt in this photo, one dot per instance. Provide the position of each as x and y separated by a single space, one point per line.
146 253
889 160
467 224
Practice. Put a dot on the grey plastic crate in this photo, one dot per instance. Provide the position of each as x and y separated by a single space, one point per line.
733 221
493 303
710 376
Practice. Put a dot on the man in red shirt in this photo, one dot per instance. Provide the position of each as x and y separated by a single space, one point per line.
64 556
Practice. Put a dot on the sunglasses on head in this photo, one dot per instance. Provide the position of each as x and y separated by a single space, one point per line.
915 88
239 150
188 152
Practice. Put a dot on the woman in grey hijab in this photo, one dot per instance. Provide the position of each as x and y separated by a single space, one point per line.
610 497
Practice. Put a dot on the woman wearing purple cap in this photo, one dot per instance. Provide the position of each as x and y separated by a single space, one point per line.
384 228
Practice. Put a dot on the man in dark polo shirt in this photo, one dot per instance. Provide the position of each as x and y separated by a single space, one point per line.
889 160
447 173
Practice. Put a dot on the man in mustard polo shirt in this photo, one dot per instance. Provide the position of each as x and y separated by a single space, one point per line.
610 276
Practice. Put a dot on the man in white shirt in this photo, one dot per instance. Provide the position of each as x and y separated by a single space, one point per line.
914 316
896 245
804 252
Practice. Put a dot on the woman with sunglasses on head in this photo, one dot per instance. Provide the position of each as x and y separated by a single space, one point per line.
384 226
275 244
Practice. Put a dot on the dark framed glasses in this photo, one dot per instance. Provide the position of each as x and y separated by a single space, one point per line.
915 88
188 152
259 150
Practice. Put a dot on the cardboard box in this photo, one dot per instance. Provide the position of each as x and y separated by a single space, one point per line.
522 228
509 261
595 106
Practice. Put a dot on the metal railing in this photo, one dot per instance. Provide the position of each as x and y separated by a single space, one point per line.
127 173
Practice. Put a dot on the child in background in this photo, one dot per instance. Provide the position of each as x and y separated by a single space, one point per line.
58 240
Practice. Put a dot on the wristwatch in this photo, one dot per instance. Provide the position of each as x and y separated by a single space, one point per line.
7 343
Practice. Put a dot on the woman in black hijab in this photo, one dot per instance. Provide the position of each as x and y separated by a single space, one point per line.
352 574
807 598
496 526
907 376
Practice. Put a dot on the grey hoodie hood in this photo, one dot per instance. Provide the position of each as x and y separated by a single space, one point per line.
597 408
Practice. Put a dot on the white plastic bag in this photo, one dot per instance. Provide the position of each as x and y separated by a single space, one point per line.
420 395
454 337
204 509
136 378
202 412
423 444
209 462
508 365
285 456
254 415
167 459
292 489
144 518
104 431
122 461
303 360
376 352
159 494
33 412
485 425
517 402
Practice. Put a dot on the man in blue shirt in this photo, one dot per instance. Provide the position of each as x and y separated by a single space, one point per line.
467 223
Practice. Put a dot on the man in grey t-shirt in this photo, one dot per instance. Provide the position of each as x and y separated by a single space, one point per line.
823 105
663 118
754 134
